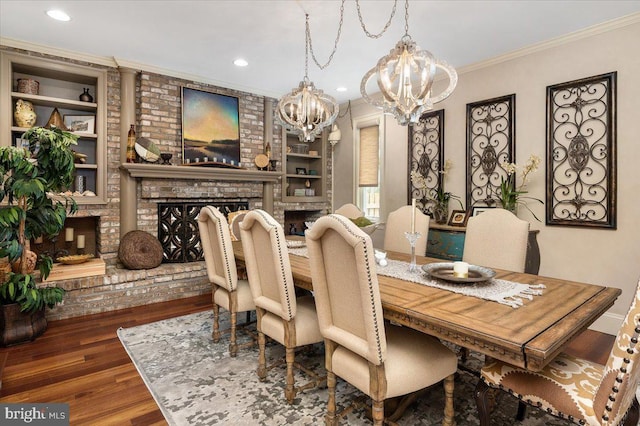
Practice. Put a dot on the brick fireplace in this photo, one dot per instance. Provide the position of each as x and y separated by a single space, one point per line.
152 103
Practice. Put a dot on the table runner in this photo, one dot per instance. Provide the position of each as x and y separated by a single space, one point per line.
505 292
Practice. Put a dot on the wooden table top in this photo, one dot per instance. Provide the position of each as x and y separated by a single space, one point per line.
529 336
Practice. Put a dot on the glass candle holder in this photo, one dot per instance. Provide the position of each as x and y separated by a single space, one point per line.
412 237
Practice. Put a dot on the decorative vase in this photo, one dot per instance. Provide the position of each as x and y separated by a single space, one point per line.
28 86
85 96
440 212
32 259
24 114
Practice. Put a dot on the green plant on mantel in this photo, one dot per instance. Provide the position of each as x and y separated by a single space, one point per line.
32 205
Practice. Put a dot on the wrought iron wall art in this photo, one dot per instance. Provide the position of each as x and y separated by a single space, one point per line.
178 228
581 152
426 156
491 141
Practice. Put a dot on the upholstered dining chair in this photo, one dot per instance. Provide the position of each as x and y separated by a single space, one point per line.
382 360
288 320
399 222
228 291
575 389
496 239
349 210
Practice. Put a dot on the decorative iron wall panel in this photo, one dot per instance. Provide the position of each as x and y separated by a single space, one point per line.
426 155
491 141
178 228
581 152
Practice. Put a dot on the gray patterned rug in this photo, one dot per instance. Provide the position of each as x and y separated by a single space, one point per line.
196 382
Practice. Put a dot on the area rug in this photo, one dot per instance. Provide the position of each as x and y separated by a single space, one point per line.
195 382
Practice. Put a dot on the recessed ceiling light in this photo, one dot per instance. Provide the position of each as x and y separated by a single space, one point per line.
341 89
240 62
58 15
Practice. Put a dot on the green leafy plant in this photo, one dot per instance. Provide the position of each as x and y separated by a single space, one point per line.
511 195
32 206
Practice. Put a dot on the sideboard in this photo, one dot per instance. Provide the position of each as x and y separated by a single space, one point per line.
447 242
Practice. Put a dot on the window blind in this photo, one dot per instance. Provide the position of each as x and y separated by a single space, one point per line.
369 159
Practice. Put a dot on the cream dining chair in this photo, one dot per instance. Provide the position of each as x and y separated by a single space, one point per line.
575 389
380 359
496 239
288 320
399 222
228 291
349 210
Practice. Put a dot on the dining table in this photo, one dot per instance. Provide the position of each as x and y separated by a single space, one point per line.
527 336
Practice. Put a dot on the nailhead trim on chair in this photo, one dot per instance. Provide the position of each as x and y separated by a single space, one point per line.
530 402
224 248
268 219
338 218
623 370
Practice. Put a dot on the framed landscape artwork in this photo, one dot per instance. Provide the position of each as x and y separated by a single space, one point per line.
80 123
210 129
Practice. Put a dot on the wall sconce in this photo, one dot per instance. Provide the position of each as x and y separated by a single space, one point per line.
335 135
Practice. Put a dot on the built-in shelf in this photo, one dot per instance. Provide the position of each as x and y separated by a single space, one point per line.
57 102
159 171
90 268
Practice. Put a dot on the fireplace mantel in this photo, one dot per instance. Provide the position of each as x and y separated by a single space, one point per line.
158 171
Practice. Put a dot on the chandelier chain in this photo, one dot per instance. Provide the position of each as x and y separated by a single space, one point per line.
406 18
386 27
335 44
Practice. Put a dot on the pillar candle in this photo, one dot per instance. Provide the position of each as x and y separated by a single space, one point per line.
413 215
80 241
68 234
460 269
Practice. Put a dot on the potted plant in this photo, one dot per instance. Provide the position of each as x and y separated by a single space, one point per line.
438 196
29 210
512 195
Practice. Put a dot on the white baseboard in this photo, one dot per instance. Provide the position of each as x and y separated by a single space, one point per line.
608 323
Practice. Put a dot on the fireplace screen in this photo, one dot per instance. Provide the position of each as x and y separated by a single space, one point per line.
178 228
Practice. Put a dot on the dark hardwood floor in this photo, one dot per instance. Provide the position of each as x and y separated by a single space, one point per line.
80 361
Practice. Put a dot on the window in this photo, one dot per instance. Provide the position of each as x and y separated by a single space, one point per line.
368 156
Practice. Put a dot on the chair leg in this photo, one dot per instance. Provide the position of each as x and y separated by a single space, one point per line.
449 412
522 411
262 360
216 323
482 402
290 391
377 412
330 419
233 345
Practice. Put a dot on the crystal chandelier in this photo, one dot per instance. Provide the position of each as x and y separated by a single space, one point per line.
306 110
405 79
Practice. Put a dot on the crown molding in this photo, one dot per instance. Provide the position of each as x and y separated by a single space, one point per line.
48 50
591 31
124 63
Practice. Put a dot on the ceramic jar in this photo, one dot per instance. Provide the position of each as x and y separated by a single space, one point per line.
24 114
85 96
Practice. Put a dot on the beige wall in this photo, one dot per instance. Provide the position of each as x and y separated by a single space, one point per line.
609 257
